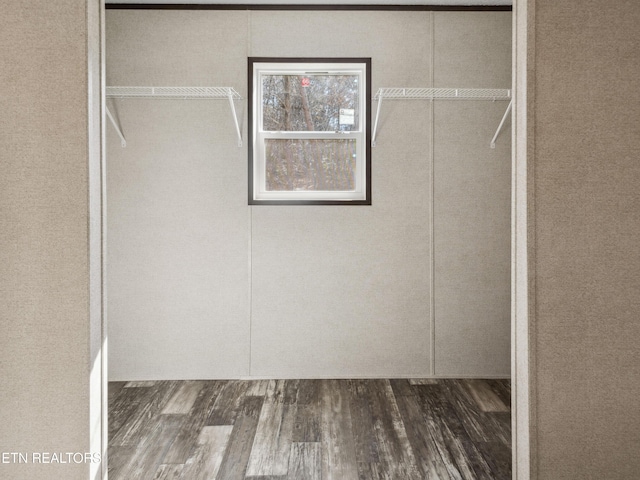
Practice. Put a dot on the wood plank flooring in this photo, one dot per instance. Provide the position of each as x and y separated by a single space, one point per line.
418 429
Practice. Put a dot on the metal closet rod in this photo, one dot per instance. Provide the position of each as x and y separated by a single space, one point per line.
175 93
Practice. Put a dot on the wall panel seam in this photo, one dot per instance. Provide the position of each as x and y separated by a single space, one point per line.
432 258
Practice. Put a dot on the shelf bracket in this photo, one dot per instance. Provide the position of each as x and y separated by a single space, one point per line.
504 119
375 125
123 140
235 116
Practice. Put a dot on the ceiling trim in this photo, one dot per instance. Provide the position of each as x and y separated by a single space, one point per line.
323 6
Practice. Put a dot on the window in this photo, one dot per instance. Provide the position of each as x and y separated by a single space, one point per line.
310 133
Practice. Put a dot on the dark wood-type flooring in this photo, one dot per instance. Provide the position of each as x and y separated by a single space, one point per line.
310 430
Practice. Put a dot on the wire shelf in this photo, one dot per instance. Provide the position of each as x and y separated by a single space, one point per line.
181 93
177 93
443 94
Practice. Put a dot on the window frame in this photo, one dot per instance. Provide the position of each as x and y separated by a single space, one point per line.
258 66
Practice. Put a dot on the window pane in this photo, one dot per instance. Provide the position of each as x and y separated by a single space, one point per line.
303 103
310 165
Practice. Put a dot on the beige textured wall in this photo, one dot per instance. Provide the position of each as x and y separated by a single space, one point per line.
45 356
178 223
203 286
586 192
472 197
344 291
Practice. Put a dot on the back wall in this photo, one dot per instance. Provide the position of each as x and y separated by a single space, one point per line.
201 285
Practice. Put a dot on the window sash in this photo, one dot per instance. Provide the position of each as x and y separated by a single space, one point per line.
306 70
260 174
259 162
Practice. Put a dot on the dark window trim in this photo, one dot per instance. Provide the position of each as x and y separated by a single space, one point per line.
367 139
251 6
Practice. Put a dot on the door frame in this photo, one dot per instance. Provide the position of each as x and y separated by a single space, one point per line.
521 255
522 411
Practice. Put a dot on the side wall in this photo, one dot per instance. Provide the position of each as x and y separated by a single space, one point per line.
50 310
586 192
203 286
